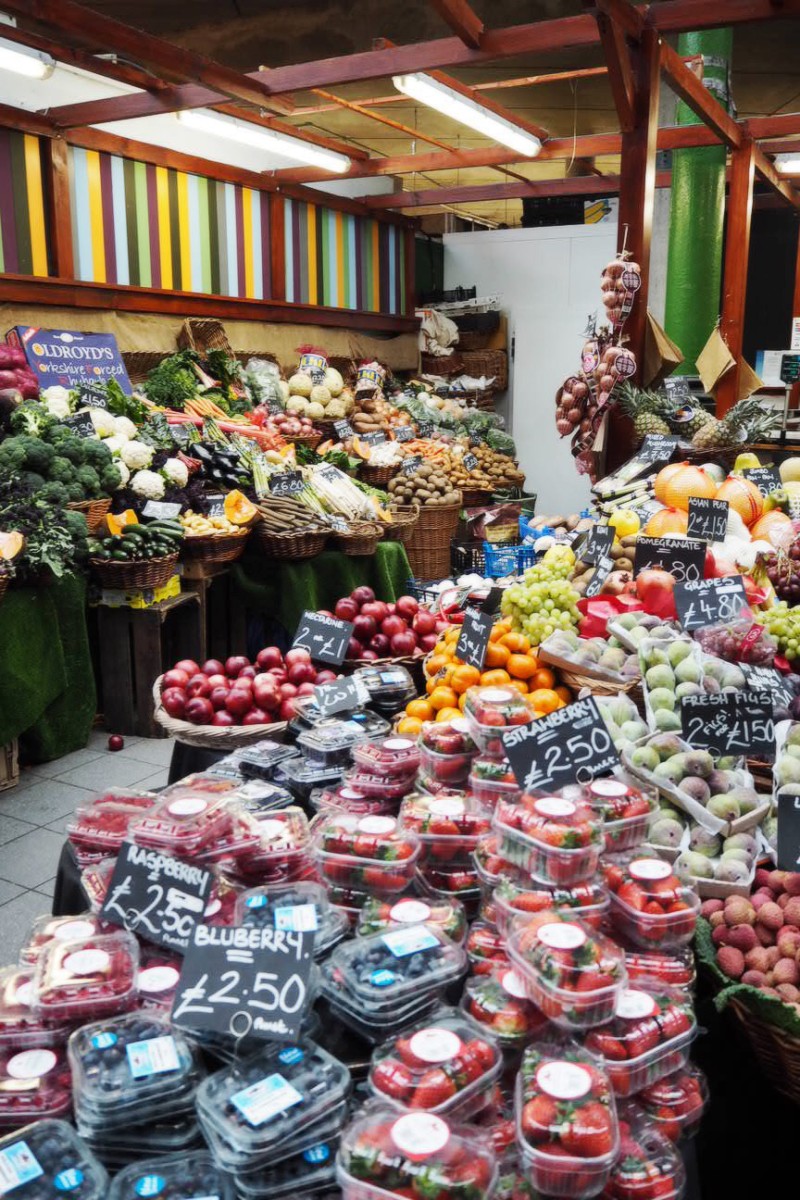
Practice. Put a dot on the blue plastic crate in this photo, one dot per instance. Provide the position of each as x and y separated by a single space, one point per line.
507 560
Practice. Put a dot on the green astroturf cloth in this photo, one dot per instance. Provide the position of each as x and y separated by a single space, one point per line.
47 690
284 590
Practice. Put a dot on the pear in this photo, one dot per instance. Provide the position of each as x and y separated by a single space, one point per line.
645 758
690 865
667 722
688 671
678 651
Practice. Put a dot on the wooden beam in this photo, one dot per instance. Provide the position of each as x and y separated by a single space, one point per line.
351 106
685 84
620 71
72 20
19 289
630 20
59 208
577 185
462 20
107 68
638 169
734 280
768 171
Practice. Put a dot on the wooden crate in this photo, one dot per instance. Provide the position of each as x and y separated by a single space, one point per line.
9 766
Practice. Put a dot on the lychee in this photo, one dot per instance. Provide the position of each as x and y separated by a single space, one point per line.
743 937
770 915
759 900
776 879
787 992
788 941
791 882
717 918
786 971
731 961
711 906
757 959
764 935
773 954
739 911
791 913
762 878
722 935
783 900
755 978
770 991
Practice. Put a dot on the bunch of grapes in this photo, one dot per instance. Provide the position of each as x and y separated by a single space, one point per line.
783 623
782 569
733 642
542 601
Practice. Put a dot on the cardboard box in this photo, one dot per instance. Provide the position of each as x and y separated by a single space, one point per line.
61 356
141 597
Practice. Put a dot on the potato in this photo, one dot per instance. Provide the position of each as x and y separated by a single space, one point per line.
625 563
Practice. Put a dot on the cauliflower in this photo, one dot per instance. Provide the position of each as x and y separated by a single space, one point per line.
175 472
297 406
124 473
148 484
103 422
124 428
115 444
333 382
300 384
320 395
315 411
136 455
56 401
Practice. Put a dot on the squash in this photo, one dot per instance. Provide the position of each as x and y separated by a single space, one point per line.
360 449
238 509
11 544
116 522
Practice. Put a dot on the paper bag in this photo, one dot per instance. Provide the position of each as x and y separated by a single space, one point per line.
661 354
714 360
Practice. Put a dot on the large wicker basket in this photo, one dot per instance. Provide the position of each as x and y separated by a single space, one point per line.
491 363
215 548
312 440
94 511
428 547
361 538
378 476
137 573
213 737
475 497
307 543
202 335
401 526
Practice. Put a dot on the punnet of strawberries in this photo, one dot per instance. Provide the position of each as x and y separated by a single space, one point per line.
649 904
647 1038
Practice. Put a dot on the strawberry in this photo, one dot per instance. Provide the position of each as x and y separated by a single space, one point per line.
476 1173
539 1118
393 1079
590 1134
631 894
404 1052
483 1052
434 1089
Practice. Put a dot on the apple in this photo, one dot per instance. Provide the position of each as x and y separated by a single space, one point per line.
212 666
199 711
255 716
427 642
175 679
296 655
362 595
326 677
188 665
354 649
364 628
441 626
219 681
235 664
368 655
346 609
286 710
218 696
424 622
269 657
288 691
380 644
247 673
407 607
222 717
278 674
306 689
302 672
391 609
393 625
174 701
198 685
265 685
238 701
404 644
377 610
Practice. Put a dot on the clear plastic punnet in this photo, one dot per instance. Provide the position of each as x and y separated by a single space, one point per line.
518 902
380 787
491 710
307 1173
441 1065
377 916
284 849
371 853
393 756
390 686
46 930
652 969
185 822
385 1154
296 907
447 826
173 1177
331 743
87 977
449 738
571 972
390 969
648 1165
20 1026
626 809
650 906
648 1037
103 824
556 839
301 776
259 761
498 1000
48 1161
344 798
491 779
676 1103
566 1119
34 1084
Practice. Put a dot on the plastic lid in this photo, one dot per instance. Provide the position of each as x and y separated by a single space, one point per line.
184 821
568 1076
47 930
563 952
448 737
448 915
643 1022
496 707
648 1164
403 961
293 907
371 838
95 975
187 1175
48 1161
393 755
498 1000
444 818
649 888
129 1060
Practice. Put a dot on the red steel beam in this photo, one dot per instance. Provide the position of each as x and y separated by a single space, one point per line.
620 71
462 20
685 84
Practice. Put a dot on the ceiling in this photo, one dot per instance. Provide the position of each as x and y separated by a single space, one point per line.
247 34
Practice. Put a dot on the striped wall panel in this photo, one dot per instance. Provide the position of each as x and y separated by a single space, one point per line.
135 223
23 235
342 261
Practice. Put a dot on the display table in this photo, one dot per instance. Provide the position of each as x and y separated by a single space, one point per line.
47 690
284 590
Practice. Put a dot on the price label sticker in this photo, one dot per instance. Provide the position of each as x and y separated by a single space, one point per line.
245 981
790 368
598 543
344 695
215 505
684 558
709 601
159 510
570 745
603 569
470 462
739 723
474 638
374 439
344 430
286 483
766 479
156 896
412 464
708 519
325 638
767 679
81 424
404 433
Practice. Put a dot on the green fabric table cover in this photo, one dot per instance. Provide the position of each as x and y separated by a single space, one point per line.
284 590
47 691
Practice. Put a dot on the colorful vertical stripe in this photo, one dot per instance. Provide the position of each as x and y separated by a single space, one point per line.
342 261
135 223
23 235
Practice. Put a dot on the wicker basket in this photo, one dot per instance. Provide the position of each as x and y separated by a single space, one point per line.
139 363
444 365
202 335
491 363
312 440
137 573
94 511
378 476
213 737
361 538
428 547
475 497
400 528
295 546
215 547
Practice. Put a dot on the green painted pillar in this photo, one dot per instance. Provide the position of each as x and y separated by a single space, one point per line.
697 213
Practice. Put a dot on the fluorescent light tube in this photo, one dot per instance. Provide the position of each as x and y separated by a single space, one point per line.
789 163
248 134
24 61
467 112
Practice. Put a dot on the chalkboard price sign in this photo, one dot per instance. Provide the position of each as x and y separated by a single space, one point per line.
374 439
474 638
215 505
788 832
286 483
603 569
180 435
766 479
245 982
160 510
570 745
412 464
739 723
709 601
677 389
89 397
599 543
470 462
425 429
656 448
81 424
683 558
708 519
790 368
344 695
344 430
404 433
767 679
156 896
325 638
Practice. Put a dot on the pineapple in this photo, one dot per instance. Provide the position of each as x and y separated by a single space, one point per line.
687 429
747 421
647 410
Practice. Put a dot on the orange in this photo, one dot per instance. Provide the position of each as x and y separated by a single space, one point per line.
499 630
435 664
520 685
419 709
564 693
462 700
496 655
443 648
465 677
521 666
443 677
493 678
447 714
409 725
543 678
545 700
443 697
517 643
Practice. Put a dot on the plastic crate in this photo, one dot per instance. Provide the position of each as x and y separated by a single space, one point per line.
507 560
425 591
466 557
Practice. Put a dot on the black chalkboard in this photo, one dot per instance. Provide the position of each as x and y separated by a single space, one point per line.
215 504
598 543
766 479
684 558
710 601
769 680
567 746
325 638
156 896
474 638
603 569
344 695
470 462
738 723
344 430
788 832
708 519
81 424
286 483
374 439
656 448
412 464
404 433
89 397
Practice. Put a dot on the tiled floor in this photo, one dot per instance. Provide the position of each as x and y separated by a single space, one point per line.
34 816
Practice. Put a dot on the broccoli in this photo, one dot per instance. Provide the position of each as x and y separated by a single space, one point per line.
96 454
31 417
55 494
59 435
74 450
38 454
75 493
75 523
12 455
34 481
61 470
110 478
89 480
